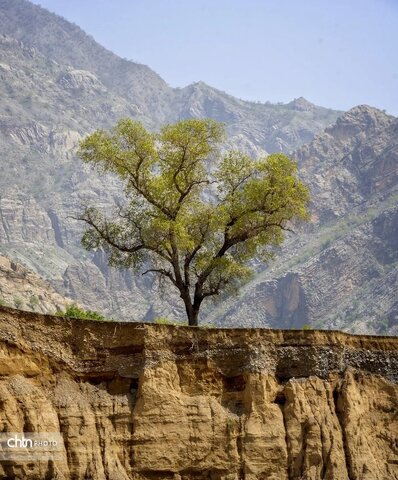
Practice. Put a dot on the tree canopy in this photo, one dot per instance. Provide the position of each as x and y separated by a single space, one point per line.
193 215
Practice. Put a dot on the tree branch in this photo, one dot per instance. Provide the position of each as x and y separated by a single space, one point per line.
161 271
105 236
229 243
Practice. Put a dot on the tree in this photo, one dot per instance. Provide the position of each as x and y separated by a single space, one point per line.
193 216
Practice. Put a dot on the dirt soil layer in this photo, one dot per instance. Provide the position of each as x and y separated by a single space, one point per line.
141 401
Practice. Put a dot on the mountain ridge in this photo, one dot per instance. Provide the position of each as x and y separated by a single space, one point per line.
32 28
341 271
70 45
50 105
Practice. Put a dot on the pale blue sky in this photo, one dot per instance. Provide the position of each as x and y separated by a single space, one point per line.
336 53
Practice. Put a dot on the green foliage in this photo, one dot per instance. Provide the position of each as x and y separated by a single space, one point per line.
168 321
193 225
326 243
33 302
307 327
18 302
165 321
74 311
3 303
232 425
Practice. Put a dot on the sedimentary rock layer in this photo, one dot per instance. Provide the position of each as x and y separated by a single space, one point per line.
140 401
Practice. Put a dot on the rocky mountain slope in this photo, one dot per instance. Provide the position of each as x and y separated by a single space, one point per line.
259 125
342 270
137 401
24 290
57 84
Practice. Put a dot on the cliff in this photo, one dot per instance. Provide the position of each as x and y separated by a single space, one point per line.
141 401
25 290
341 270
57 85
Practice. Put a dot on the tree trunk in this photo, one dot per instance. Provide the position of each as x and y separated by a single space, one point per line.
193 321
192 314
192 310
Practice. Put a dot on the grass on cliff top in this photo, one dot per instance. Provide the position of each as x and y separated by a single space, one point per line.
73 311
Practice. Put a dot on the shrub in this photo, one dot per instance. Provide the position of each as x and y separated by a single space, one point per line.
33 302
165 321
18 302
74 311
3 303
208 325
232 425
326 243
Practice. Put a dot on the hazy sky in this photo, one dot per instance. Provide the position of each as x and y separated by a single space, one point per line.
336 53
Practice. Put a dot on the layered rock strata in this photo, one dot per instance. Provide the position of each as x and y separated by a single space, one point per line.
142 401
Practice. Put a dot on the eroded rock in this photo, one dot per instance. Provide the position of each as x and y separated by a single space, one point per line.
140 401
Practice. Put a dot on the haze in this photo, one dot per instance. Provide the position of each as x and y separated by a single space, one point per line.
337 54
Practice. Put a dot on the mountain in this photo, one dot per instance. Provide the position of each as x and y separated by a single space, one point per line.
342 270
65 43
22 289
259 127
58 84
255 127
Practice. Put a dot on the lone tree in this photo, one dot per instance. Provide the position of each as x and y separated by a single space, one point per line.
192 216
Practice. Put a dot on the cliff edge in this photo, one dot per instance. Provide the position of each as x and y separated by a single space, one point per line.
141 401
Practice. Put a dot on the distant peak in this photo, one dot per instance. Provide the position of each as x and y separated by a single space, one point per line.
365 110
199 86
361 119
365 115
301 104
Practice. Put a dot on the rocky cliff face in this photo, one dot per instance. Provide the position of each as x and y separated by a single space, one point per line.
57 84
351 163
23 289
341 270
137 401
